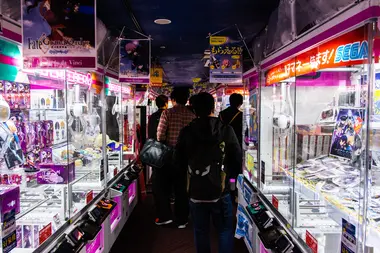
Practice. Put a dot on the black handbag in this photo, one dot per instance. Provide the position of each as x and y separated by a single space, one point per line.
155 154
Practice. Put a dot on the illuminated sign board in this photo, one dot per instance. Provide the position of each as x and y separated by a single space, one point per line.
348 49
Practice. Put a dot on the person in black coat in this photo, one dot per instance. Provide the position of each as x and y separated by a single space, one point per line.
162 104
233 116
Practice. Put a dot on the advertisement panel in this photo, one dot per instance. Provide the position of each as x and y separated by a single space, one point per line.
348 49
59 34
226 60
134 61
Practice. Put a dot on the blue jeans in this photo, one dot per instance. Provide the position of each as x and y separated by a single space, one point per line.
221 214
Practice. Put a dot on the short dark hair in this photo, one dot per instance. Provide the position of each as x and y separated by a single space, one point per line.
161 101
204 104
180 95
236 100
192 99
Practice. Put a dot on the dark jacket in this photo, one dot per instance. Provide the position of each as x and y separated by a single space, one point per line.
154 119
208 129
237 124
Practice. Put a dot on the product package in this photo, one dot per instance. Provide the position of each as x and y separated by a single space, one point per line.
56 173
9 199
311 146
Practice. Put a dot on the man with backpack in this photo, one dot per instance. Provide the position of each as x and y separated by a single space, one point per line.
206 148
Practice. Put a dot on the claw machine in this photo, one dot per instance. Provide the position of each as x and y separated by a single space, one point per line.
317 126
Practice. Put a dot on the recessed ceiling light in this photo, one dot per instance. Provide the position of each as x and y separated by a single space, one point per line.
162 21
162 47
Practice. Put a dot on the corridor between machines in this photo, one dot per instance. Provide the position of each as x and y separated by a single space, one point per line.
202 126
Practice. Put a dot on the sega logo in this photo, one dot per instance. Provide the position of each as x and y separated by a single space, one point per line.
351 52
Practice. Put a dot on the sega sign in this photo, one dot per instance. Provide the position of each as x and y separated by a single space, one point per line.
352 52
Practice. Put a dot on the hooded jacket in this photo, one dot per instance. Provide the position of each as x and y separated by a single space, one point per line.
209 129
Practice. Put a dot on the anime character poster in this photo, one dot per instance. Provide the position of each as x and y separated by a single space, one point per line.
134 61
376 98
226 60
59 34
347 135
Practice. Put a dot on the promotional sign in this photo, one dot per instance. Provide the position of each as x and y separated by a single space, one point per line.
45 233
134 61
348 241
348 49
8 229
226 60
311 242
376 98
89 196
59 35
347 132
156 76
275 201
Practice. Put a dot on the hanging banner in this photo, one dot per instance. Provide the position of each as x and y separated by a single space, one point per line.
156 77
226 60
348 243
348 49
134 61
59 35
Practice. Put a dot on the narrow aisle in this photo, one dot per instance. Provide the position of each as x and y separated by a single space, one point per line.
141 235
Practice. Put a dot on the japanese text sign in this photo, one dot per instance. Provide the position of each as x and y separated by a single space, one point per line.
226 60
348 49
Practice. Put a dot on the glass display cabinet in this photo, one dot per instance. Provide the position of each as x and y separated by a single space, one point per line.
250 125
318 159
120 127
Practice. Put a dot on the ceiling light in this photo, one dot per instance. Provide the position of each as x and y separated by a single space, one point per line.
162 21
162 47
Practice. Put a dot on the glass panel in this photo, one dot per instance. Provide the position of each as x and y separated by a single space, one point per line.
330 118
33 176
277 144
114 122
84 151
250 129
373 203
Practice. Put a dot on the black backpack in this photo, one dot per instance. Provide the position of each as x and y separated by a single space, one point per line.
205 167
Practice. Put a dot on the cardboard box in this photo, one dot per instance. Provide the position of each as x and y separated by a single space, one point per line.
56 173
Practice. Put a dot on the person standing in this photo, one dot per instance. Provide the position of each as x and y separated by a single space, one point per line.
171 123
233 117
154 119
206 148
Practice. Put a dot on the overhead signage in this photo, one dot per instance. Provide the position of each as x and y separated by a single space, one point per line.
156 77
226 60
230 91
348 49
59 36
70 76
134 61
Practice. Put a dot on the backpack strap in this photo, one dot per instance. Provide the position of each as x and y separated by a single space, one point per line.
234 117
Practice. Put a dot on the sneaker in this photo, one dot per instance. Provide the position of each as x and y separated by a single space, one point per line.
162 222
183 226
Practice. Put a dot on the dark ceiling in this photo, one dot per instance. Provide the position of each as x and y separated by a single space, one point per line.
185 38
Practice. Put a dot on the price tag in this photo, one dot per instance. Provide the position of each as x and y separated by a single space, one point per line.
45 233
89 196
311 242
275 202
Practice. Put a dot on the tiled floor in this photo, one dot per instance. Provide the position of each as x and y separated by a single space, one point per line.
141 235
